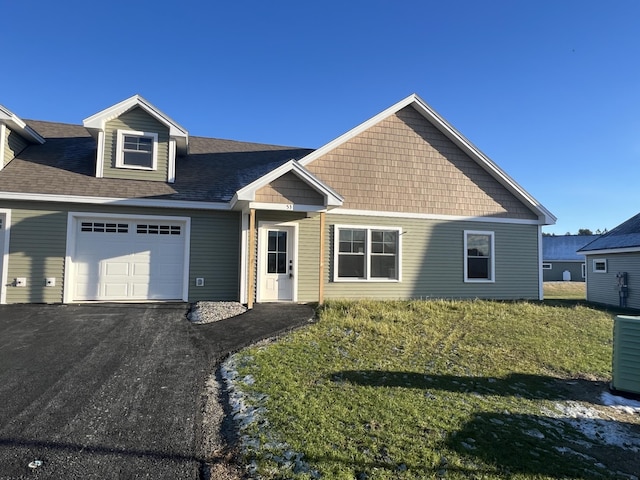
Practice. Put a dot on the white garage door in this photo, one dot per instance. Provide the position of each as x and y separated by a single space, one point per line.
131 259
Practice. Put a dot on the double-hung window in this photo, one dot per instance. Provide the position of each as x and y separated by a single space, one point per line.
479 261
367 253
137 150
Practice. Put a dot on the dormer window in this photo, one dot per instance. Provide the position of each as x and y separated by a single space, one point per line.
137 150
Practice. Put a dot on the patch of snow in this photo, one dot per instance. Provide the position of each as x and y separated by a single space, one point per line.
620 403
588 421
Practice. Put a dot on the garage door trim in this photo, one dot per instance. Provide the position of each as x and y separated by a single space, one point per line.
72 226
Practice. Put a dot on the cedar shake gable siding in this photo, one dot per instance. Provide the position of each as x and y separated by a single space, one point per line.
405 164
289 189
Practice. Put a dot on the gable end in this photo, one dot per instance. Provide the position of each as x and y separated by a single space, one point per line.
289 189
136 121
405 164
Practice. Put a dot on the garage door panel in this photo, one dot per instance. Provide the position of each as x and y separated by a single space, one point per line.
114 291
115 268
130 261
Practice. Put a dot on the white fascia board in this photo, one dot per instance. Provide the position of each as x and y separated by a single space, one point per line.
611 251
19 126
248 192
128 202
287 207
455 136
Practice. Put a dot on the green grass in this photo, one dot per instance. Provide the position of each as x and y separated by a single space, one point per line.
422 389
565 290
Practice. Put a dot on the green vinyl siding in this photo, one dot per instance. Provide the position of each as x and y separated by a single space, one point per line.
13 145
36 251
603 287
433 261
136 120
38 245
215 256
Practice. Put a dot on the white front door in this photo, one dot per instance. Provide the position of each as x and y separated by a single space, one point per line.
276 263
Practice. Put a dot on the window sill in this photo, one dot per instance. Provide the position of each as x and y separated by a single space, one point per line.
135 167
366 280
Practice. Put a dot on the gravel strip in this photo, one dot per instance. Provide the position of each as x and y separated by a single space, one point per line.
207 312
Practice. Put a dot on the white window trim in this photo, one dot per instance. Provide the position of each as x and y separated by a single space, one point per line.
600 260
120 147
584 270
492 264
367 278
547 266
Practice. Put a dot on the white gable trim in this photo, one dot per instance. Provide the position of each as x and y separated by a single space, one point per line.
3 133
99 119
19 126
456 137
248 193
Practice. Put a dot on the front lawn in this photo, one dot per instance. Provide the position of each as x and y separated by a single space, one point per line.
434 389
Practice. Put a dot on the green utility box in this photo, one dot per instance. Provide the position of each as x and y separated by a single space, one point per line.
626 354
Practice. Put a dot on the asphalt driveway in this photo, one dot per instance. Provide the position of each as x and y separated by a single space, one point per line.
99 392
114 391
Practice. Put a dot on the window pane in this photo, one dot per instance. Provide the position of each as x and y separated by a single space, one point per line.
271 263
478 245
345 247
139 159
282 241
273 242
282 263
346 235
352 241
478 268
351 266
383 266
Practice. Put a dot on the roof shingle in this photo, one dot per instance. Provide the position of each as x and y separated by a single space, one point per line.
213 170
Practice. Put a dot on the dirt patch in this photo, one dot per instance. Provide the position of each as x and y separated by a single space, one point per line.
219 437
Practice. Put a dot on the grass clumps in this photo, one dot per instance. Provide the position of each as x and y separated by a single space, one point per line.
423 389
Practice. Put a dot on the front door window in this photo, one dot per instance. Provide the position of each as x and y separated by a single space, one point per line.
277 252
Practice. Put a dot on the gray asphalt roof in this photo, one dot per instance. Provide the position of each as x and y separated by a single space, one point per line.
625 235
213 170
564 247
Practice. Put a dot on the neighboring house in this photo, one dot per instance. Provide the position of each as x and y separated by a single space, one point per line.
560 258
613 266
129 207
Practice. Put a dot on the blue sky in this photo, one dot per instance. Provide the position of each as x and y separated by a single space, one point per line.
549 89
